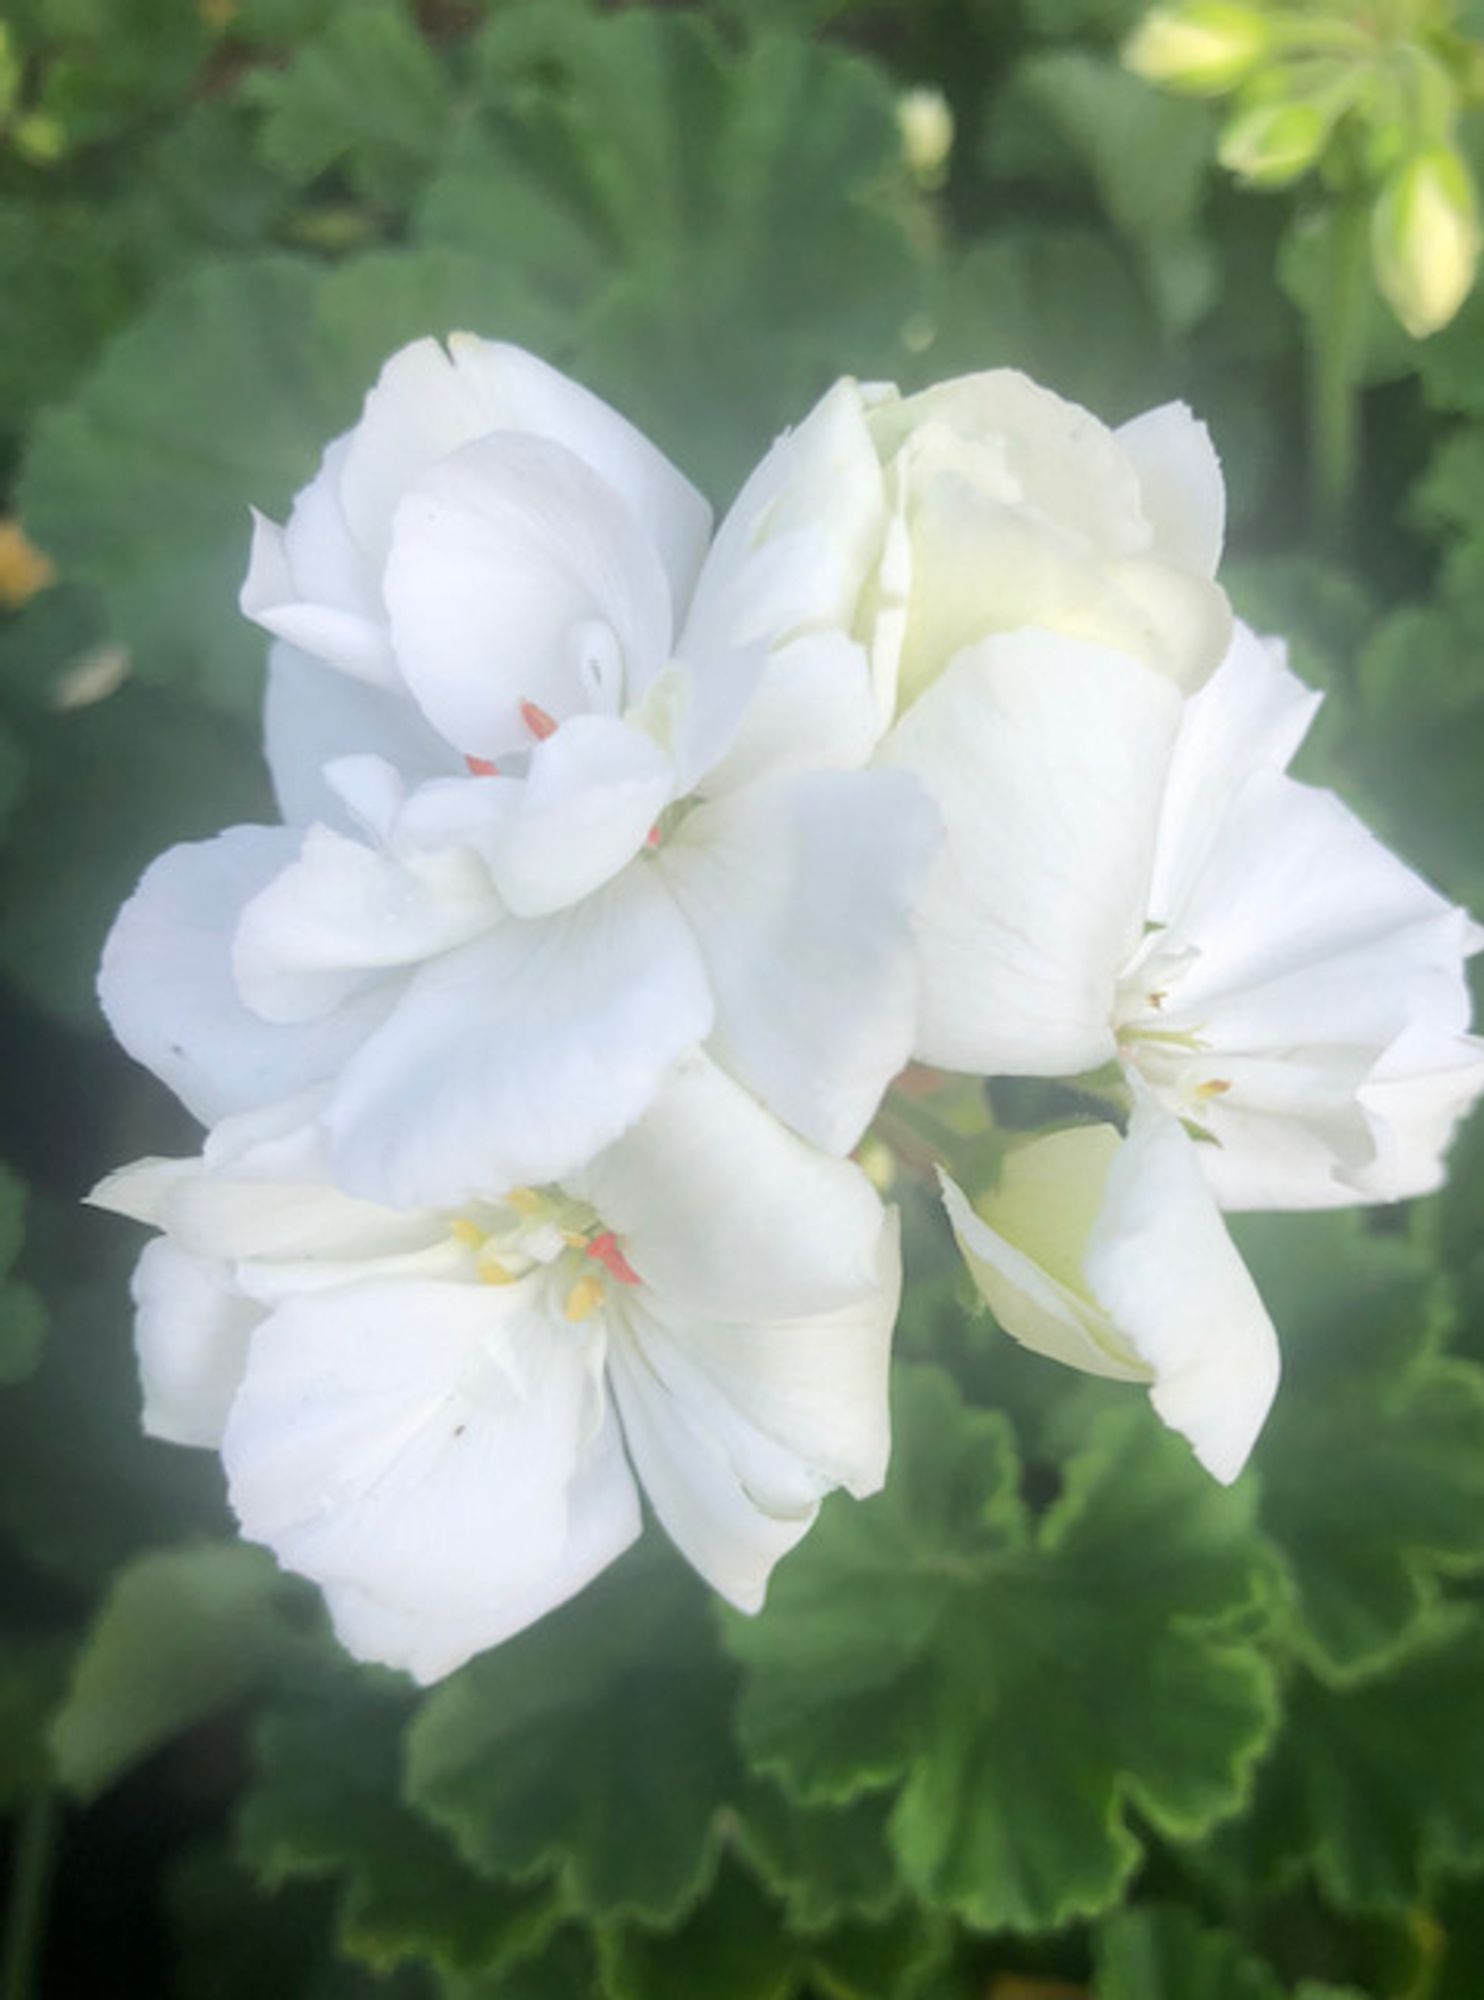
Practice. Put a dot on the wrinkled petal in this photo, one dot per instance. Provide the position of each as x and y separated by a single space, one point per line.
416 1442
1250 716
430 401
516 575
813 708
517 1058
603 1520
723 1210
585 807
793 552
800 892
313 715
738 1431
1133 1274
167 988
1425 1084
1044 757
1180 486
342 911
191 1332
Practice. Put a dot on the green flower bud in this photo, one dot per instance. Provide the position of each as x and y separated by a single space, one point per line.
1269 145
1425 240
1205 47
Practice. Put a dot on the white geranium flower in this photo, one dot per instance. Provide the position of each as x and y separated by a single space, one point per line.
439 1416
551 832
1110 1254
1128 876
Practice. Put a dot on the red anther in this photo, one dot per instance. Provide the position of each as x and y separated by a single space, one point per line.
652 838
481 767
540 724
606 1251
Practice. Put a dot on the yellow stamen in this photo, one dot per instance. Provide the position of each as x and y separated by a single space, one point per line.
24 569
1215 1086
466 1232
526 1201
585 1297
492 1271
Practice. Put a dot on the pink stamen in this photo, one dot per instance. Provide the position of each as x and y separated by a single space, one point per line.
652 838
540 724
605 1250
481 767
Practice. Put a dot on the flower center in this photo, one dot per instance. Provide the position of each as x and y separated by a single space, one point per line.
532 1229
1171 1055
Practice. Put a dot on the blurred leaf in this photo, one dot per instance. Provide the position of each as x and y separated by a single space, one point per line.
1029 1684
1372 1463
32 1676
325 1802
22 1316
366 93
592 1748
1374 1788
181 1634
726 231
114 62
823 1863
732 1947
1166 1953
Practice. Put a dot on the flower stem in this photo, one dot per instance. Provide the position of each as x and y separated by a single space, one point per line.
25 1921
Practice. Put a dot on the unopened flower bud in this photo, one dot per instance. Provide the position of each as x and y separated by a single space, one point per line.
926 125
1425 240
1269 145
1206 47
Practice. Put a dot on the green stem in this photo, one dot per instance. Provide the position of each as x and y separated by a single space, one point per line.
25 1921
1336 336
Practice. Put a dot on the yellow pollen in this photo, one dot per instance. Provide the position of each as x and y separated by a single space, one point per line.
585 1297
574 1239
492 1271
1215 1086
466 1232
526 1201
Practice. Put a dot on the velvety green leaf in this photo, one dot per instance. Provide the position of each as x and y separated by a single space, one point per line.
1166 1953
32 1676
732 1947
727 230
325 1802
181 1634
221 396
593 1748
366 93
823 1863
1031 1681
1372 1462
1375 1787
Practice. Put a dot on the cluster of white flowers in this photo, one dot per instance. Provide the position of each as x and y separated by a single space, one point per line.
622 870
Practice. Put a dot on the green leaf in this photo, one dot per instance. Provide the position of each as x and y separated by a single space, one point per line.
1032 1681
181 1634
1166 1953
725 231
22 1316
1372 1463
1373 1787
823 1863
366 93
32 1675
732 1947
325 1802
593 1748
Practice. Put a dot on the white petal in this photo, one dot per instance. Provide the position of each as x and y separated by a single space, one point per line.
1162 1266
725 1211
1113 1258
793 553
516 1058
312 587
1414 1099
800 891
813 708
1180 485
191 1332
1250 716
429 402
517 575
1044 757
585 807
167 989
603 1520
417 1442
312 714
738 1431
343 910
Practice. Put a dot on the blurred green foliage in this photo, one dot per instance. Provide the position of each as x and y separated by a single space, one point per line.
1052 1717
